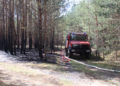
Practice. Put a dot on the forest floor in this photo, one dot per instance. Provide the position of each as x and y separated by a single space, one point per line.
26 70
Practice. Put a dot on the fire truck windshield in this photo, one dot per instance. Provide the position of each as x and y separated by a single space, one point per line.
79 37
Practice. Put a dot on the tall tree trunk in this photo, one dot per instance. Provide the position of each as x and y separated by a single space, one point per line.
40 46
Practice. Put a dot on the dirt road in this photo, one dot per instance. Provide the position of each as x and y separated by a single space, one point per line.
19 73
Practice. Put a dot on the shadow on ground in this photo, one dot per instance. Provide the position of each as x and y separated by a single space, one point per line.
91 58
2 77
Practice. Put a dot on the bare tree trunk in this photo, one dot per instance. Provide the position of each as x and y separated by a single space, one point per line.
18 30
30 40
40 46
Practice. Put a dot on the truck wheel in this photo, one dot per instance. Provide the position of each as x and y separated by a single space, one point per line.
88 55
70 55
66 52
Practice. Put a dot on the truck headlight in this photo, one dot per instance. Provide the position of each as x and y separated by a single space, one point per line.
73 50
88 51
75 45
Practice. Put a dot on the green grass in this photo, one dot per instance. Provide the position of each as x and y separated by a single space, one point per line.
81 68
105 64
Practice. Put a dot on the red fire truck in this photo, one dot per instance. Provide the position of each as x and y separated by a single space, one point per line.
77 43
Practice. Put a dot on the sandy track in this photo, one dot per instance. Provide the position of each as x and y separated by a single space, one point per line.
18 74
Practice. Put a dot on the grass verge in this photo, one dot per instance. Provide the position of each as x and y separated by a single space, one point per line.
81 68
106 64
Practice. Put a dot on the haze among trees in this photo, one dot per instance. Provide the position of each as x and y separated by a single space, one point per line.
27 24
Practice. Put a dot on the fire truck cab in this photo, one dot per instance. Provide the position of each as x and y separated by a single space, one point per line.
77 43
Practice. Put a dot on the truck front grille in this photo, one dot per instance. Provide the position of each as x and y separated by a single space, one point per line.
82 47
